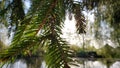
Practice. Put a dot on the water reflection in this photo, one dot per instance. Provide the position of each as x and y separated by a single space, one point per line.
17 64
101 63
116 65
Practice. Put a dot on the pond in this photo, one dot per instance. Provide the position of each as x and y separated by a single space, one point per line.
80 63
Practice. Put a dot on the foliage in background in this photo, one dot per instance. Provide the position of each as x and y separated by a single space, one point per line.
2 46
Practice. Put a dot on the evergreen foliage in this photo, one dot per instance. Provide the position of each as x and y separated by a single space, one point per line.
41 27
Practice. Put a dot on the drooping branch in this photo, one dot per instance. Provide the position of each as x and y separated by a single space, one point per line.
80 20
17 14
